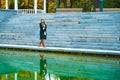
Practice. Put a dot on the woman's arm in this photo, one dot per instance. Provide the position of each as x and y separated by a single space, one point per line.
40 25
45 27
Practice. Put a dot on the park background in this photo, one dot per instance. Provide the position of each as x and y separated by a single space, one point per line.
53 4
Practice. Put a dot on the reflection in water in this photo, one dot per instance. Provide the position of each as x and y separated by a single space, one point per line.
43 65
57 66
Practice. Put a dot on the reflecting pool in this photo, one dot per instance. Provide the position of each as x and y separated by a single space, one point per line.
32 65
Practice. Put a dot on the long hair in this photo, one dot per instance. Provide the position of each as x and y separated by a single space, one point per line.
42 19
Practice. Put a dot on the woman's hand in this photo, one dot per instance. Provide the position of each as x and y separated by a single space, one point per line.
45 33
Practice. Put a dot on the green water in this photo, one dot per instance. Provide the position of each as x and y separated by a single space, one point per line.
58 66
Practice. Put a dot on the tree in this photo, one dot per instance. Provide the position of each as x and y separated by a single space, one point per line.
11 6
117 4
86 5
40 4
47 6
65 3
28 3
0 4
58 3
71 3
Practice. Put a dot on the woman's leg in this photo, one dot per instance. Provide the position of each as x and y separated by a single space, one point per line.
43 43
40 43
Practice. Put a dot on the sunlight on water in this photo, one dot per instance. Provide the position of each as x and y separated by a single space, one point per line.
53 66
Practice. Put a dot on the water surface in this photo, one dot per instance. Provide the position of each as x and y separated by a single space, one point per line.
58 66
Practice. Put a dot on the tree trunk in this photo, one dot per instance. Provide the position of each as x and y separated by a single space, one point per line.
71 3
65 3
0 3
58 3
47 5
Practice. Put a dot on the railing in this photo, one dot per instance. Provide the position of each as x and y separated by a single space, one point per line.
29 11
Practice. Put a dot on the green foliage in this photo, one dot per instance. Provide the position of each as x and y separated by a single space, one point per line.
2 77
11 76
86 5
52 7
2 4
112 3
29 4
26 74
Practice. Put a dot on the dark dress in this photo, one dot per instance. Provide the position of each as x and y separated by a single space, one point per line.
43 31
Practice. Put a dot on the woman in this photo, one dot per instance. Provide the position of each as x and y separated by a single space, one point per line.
43 33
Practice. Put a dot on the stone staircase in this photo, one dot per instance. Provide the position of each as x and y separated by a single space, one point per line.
95 30
6 14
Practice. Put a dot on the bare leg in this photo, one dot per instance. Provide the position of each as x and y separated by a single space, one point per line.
40 43
43 43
